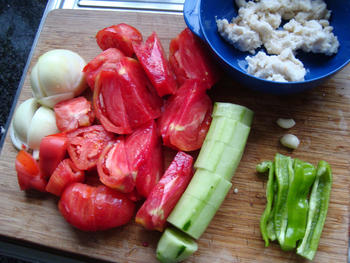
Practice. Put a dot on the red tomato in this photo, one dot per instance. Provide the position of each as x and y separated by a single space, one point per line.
114 169
65 174
74 113
104 60
123 99
164 196
189 59
53 149
153 60
91 208
28 173
144 152
86 144
119 36
187 117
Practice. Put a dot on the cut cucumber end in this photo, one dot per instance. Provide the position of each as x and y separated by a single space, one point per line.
231 132
234 112
219 158
175 246
192 215
208 187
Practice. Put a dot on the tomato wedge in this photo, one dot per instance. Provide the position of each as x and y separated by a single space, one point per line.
124 99
86 144
65 174
74 113
153 60
144 152
53 149
190 60
104 60
119 36
91 208
114 169
164 196
28 173
187 117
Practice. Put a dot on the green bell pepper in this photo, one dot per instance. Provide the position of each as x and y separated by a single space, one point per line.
318 207
266 216
300 183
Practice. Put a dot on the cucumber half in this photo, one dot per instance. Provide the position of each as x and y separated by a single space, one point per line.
175 246
234 112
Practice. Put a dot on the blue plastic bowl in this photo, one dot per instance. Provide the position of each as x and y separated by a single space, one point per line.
200 18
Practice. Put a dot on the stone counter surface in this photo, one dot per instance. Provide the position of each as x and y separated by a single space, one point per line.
19 21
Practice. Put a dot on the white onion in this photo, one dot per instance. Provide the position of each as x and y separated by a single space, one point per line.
57 76
290 141
42 124
285 123
21 122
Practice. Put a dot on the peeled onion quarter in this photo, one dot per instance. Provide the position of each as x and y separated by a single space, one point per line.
42 124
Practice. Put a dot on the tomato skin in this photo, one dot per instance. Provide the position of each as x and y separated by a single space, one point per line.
104 60
74 113
153 60
189 59
53 149
28 173
86 144
124 99
164 196
187 117
90 208
65 174
144 151
114 169
119 36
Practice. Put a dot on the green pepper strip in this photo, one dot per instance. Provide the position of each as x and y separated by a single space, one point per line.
319 200
271 233
261 168
300 183
283 167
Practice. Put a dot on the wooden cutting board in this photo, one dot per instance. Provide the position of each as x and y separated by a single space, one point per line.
322 123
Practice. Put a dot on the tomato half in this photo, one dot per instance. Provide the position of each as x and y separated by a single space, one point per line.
65 174
28 173
114 169
187 117
119 36
164 196
104 60
153 60
190 60
74 113
91 208
124 99
86 144
144 152
53 149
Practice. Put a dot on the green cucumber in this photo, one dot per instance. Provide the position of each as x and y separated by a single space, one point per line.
191 215
219 158
234 112
232 132
175 246
208 187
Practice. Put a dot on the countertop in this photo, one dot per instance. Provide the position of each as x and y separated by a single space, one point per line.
19 21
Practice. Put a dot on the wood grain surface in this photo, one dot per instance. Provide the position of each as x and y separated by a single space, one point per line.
322 123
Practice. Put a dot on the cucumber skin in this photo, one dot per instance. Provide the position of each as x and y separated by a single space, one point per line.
175 246
234 112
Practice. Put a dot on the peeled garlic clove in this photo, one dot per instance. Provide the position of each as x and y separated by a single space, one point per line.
285 123
290 141
42 124
21 122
